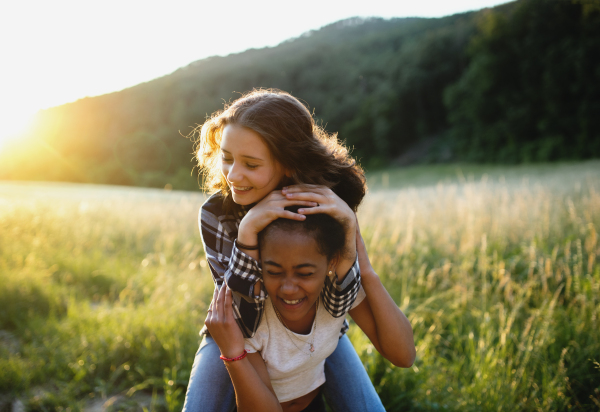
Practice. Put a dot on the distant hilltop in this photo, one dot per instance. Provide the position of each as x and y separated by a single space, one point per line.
514 83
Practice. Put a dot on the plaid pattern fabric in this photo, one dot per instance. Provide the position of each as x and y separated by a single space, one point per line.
339 297
241 272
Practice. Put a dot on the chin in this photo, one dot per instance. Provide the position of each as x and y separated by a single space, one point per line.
241 200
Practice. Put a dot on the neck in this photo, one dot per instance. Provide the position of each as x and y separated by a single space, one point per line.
304 325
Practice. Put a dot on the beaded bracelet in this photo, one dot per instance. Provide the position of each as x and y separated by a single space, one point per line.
240 245
226 359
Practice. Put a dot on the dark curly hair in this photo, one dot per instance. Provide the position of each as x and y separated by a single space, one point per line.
327 232
288 129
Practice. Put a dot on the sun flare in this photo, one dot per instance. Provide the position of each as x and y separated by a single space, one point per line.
14 125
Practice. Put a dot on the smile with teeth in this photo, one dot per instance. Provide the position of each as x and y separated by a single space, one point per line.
292 302
242 188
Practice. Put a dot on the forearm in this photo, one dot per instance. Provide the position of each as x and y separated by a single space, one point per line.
250 391
239 269
249 374
393 330
247 236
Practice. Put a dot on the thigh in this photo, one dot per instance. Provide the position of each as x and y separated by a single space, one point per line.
210 388
348 386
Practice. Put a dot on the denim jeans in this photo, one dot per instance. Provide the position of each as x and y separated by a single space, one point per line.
348 387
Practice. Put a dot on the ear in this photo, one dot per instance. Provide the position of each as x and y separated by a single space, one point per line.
288 173
332 265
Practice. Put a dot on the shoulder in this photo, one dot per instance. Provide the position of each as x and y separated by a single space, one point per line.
214 205
211 213
259 341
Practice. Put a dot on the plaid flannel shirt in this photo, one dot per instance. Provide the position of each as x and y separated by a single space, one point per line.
241 272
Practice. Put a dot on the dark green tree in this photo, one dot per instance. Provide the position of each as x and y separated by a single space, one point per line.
532 86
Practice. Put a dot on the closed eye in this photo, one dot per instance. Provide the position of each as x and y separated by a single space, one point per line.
274 273
226 160
305 275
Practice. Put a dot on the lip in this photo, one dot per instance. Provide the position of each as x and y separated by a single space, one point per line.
289 307
241 191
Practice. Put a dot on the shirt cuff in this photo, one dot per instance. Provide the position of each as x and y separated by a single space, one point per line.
353 275
243 273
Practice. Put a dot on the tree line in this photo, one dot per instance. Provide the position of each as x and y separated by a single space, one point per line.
516 83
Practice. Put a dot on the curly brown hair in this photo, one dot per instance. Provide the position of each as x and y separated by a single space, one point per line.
289 130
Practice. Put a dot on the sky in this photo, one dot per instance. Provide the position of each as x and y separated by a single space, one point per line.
57 51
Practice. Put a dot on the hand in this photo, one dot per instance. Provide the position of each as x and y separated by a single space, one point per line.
267 210
326 201
222 325
329 203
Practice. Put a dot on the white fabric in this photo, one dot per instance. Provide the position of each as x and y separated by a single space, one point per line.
293 369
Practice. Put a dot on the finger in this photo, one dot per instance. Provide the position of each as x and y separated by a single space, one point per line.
218 311
286 214
279 199
308 197
318 191
228 313
274 195
281 212
302 187
294 201
315 210
211 305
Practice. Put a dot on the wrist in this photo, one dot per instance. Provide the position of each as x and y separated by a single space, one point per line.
233 352
246 235
244 246
235 358
368 272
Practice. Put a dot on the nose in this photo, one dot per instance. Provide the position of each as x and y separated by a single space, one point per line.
234 174
288 287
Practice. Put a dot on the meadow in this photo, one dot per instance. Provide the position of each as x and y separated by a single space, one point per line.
103 290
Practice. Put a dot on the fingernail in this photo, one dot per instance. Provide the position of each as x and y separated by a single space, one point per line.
284 189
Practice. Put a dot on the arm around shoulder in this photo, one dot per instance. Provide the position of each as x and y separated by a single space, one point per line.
240 271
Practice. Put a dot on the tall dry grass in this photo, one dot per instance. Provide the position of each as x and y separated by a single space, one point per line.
103 290
500 280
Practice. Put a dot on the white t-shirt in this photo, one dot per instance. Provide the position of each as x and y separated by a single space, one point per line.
293 369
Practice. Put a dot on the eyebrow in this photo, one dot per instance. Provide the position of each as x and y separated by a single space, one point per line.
245 156
300 266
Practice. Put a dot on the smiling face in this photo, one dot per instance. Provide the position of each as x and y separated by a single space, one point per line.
247 165
294 273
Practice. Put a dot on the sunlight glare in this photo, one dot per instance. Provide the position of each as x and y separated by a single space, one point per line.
14 125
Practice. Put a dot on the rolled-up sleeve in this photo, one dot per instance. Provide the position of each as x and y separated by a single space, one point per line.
228 263
339 297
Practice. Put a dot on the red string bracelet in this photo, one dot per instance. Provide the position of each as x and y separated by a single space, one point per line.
226 359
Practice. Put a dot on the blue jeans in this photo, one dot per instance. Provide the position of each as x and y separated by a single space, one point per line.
348 387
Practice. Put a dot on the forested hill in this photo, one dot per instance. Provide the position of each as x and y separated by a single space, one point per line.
520 82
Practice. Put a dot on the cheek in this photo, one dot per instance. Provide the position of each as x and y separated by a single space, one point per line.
264 179
270 285
314 286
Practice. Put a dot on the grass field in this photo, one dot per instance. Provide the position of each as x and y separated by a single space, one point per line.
103 290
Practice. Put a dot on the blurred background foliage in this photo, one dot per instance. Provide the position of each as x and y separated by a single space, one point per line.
516 83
